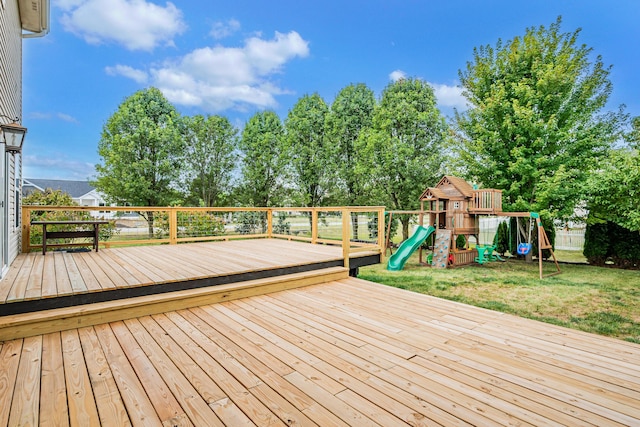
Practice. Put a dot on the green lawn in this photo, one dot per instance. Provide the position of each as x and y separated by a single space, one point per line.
593 299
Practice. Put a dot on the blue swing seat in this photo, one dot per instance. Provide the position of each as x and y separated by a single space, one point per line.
524 248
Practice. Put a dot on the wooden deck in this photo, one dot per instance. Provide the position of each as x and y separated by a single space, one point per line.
347 352
59 279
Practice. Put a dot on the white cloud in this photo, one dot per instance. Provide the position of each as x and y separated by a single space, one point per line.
220 29
56 167
129 72
66 118
449 96
135 24
38 115
220 78
396 75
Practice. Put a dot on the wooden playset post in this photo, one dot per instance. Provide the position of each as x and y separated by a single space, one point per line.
544 243
387 243
421 223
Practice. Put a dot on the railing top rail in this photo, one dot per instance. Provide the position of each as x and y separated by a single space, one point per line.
409 212
203 209
495 190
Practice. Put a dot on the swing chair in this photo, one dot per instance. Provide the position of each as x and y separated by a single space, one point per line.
524 247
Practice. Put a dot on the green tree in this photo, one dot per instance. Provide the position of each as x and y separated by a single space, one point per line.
142 151
351 113
308 150
263 160
536 126
211 157
614 191
634 135
50 197
404 151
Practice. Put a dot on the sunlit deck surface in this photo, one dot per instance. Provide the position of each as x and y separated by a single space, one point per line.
344 352
58 279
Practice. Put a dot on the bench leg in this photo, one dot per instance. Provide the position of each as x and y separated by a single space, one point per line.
44 239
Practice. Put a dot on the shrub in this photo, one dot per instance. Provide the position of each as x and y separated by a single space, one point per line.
502 238
51 197
282 226
198 223
596 243
610 244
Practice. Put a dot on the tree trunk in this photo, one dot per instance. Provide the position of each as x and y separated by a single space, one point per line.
404 219
150 220
310 221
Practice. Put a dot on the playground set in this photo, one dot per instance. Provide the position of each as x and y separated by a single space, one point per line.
453 208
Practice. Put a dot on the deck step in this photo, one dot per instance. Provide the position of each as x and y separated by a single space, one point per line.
54 320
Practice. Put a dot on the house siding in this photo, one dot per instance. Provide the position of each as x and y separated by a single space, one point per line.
11 105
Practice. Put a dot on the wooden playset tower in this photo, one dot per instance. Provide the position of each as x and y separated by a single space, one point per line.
453 207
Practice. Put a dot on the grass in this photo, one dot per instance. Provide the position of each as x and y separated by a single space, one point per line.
592 299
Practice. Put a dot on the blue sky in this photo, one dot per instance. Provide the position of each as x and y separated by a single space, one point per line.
234 58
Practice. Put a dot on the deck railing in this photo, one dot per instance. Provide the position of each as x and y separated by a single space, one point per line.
355 228
486 200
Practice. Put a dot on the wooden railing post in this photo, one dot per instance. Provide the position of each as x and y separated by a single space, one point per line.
270 223
173 226
381 234
26 229
314 226
346 240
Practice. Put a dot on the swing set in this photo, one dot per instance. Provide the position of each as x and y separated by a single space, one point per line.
453 208
523 247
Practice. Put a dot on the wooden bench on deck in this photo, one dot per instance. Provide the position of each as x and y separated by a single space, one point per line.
72 233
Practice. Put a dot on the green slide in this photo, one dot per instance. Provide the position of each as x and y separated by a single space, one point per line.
397 260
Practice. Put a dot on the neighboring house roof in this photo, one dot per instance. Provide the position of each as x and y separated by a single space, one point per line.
76 189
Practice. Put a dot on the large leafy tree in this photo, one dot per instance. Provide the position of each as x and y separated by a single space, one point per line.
263 160
404 151
211 156
614 190
142 151
351 114
536 126
308 150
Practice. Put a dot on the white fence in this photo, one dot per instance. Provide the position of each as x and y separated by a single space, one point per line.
569 240
566 240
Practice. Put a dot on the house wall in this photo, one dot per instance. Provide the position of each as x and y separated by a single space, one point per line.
11 105
94 198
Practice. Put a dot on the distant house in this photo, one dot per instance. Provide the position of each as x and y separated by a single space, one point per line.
80 191
19 19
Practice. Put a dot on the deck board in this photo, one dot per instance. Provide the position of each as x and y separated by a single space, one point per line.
60 279
53 395
317 356
345 352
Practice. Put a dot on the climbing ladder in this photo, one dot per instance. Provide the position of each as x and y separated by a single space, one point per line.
441 248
